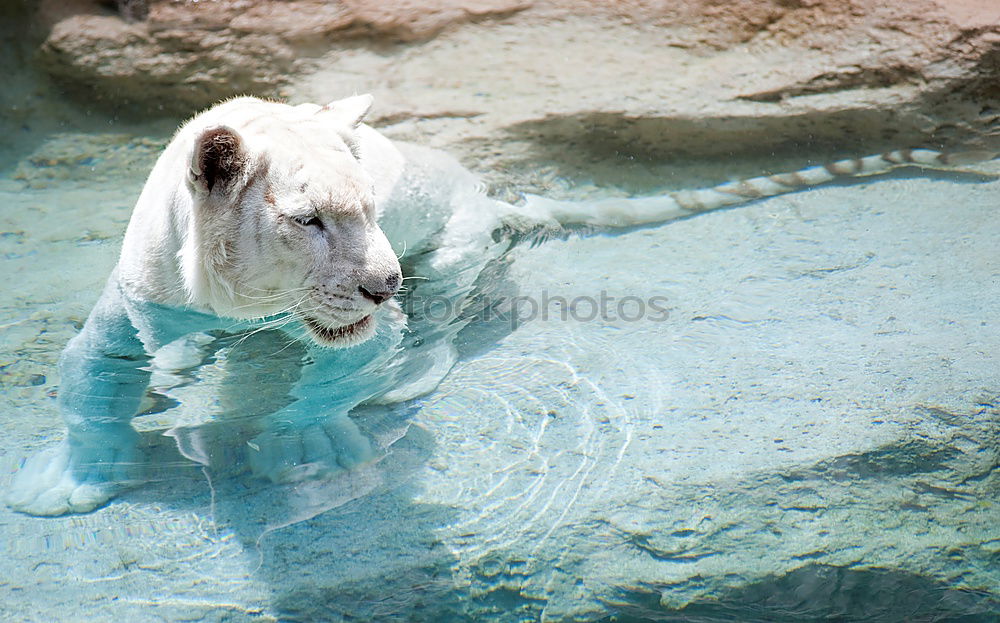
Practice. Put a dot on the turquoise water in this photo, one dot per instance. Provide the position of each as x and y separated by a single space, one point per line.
805 427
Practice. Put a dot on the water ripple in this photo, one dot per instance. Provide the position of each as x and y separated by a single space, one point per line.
545 439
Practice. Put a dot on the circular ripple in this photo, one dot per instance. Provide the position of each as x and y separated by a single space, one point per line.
529 444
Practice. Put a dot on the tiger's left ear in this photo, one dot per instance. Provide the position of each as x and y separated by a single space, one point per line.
350 111
217 161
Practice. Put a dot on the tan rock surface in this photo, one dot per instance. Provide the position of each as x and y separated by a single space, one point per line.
511 85
187 55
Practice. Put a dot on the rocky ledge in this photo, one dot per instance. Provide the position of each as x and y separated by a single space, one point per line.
509 85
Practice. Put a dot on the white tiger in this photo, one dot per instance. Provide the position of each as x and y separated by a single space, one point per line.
261 210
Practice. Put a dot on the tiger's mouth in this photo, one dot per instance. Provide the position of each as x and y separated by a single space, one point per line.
342 336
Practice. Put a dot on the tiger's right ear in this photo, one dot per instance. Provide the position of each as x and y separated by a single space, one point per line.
350 111
218 160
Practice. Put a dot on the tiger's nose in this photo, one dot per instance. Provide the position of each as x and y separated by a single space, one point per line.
382 292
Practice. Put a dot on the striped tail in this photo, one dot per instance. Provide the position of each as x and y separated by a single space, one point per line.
627 212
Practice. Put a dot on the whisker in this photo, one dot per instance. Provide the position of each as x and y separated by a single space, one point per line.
280 316
268 325
288 343
272 289
271 297
251 304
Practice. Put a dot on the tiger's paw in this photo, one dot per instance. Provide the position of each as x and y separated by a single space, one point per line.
319 450
73 479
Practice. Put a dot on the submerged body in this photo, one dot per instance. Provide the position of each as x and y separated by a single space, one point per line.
262 215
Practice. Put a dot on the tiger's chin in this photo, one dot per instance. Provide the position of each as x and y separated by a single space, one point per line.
343 336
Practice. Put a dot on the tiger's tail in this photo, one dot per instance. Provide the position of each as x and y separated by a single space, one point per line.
628 212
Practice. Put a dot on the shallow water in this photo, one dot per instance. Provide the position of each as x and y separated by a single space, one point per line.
805 426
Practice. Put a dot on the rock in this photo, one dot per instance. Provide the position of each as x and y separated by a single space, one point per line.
553 89
187 55
530 91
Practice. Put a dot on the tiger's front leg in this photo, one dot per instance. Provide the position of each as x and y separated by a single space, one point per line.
104 373
314 437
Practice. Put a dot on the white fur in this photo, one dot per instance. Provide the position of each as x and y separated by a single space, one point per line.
183 249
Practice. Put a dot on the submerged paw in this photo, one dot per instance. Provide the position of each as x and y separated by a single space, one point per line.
64 479
318 450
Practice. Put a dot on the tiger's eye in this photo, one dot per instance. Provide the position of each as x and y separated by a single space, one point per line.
308 221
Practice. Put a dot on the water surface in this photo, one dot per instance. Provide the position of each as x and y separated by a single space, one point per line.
809 428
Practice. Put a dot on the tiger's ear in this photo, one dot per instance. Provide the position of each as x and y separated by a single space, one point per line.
350 111
218 160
